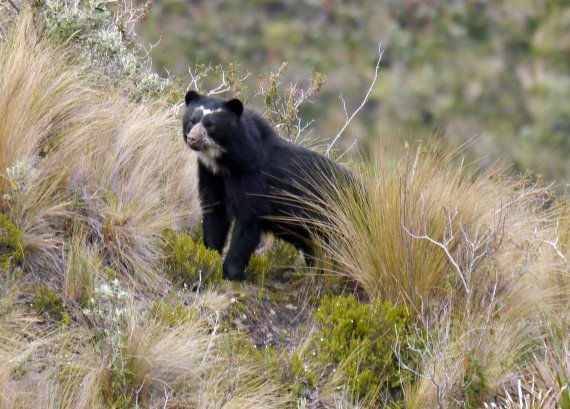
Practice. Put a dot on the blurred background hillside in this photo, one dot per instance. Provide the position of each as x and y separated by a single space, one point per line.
498 70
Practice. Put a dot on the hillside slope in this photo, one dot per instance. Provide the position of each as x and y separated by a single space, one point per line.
446 287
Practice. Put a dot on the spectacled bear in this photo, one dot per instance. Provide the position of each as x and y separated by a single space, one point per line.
247 173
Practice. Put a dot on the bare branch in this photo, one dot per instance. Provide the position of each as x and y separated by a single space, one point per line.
212 337
554 244
197 76
14 5
444 247
364 101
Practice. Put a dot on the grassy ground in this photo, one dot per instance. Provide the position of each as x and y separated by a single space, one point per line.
444 287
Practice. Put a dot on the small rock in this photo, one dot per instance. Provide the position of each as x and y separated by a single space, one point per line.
290 307
272 311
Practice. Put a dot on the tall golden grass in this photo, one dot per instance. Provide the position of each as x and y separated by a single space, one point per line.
92 178
151 364
86 155
471 252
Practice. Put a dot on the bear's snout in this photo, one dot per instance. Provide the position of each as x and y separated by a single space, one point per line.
196 136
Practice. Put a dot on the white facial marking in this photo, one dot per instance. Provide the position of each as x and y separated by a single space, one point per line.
210 150
208 159
206 111
211 111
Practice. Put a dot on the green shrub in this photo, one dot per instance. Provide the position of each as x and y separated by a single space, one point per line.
282 256
188 261
304 379
11 245
358 339
49 302
475 385
279 257
259 267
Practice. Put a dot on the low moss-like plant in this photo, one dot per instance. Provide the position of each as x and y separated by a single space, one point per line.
11 245
357 340
188 261
49 302
279 257
172 314
282 255
304 379
259 267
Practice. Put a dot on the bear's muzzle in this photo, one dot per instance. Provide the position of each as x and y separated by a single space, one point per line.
196 137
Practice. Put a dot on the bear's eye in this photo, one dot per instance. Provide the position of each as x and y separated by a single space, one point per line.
194 121
209 125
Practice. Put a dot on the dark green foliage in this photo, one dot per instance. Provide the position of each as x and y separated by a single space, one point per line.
258 266
475 384
279 257
187 261
49 302
304 379
358 340
282 256
11 245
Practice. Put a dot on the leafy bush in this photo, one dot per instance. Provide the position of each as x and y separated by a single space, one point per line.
259 267
49 302
358 340
11 245
188 261
102 32
475 384
279 257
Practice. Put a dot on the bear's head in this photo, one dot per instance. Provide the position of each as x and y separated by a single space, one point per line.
209 124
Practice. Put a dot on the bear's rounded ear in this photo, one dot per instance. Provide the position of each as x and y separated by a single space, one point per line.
235 106
190 96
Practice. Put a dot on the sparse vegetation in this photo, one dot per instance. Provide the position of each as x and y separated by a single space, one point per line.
454 289
48 302
358 340
189 262
11 245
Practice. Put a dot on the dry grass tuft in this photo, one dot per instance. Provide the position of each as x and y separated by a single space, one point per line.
470 252
72 152
137 361
134 180
391 243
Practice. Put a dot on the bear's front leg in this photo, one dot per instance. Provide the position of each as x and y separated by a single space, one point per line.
216 222
215 225
245 238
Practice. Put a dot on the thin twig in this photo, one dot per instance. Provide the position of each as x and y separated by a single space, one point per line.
443 246
212 337
364 101
554 244
14 5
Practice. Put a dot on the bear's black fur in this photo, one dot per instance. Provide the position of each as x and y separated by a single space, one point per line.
249 174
